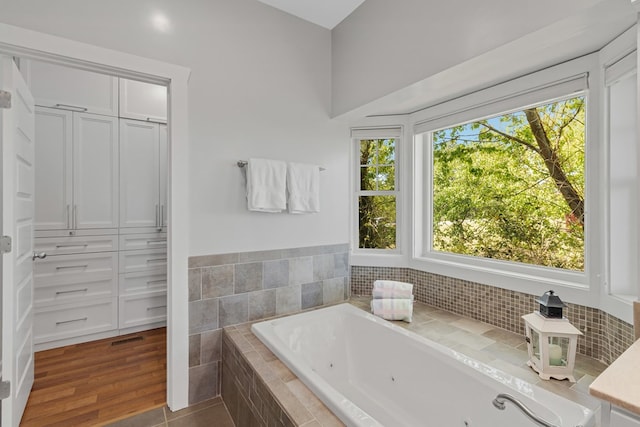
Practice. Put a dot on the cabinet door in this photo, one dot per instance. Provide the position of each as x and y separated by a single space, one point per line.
95 180
143 101
53 170
76 90
164 172
621 418
139 176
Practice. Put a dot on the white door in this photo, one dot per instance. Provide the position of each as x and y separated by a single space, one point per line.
54 198
17 135
95 171
139 176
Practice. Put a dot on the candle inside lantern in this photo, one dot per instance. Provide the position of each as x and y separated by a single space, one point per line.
555 355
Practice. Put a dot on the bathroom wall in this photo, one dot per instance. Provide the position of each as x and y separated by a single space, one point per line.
260 87
233 288
605 336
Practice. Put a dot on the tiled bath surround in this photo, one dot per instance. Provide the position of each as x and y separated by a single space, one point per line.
260 390
229 289
605 336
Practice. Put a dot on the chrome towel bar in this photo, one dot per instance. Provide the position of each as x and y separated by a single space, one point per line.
243 163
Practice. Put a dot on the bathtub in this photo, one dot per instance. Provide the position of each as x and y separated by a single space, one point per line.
370 372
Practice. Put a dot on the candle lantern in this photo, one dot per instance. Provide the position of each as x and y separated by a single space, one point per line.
551 340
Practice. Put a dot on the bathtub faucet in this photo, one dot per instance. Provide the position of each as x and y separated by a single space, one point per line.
498 402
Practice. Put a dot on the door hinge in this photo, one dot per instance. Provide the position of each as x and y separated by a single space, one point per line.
5 99
5 244
5 389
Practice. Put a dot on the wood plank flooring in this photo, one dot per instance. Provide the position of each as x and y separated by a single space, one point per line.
92 384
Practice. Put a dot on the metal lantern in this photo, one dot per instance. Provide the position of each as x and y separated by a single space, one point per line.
551 305
551 341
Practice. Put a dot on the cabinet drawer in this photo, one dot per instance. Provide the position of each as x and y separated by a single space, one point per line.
143 260
75 268
86 289
75 244
143 281
72 320
136 310
143 241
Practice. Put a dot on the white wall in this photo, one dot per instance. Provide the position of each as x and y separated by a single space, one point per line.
384 46
260 87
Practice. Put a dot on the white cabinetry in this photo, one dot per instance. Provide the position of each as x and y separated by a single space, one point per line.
143 152
622 418
143 280
100 206
75 90
76 170
75 288
143 101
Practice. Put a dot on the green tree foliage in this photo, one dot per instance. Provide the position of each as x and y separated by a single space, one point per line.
512 187
377 203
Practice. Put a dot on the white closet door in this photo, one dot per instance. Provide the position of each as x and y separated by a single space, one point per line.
17 137
139 177
95 181
53 171
164 171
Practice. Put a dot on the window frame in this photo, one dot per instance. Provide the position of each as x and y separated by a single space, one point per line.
557 82
363 133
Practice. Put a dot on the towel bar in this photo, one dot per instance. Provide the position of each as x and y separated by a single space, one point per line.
243 163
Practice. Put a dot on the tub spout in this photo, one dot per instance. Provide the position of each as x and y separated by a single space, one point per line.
499 402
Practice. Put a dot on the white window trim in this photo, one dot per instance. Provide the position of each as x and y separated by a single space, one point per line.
617 60
546 85
379 132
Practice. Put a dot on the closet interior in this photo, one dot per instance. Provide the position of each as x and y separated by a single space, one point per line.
100 205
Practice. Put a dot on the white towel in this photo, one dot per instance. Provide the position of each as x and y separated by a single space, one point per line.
381 293
266 185
303 187
393 309
394 286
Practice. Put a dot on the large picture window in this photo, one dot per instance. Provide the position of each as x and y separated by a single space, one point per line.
511 187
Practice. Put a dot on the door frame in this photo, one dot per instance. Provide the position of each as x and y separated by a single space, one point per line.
30 44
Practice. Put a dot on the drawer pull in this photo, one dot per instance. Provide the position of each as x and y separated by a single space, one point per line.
155 242
82 319
77 245
72 107
153 308
155 282
61 267
157 260
71 292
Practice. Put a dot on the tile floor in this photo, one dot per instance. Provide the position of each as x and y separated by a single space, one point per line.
491 345
210 413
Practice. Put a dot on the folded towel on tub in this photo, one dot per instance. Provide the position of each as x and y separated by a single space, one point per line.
266 185
380 293
391 289
393 309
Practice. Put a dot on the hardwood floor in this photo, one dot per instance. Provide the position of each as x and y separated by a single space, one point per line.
95 383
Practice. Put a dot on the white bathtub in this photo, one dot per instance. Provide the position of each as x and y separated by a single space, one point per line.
370 372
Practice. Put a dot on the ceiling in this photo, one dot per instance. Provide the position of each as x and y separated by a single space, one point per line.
326 13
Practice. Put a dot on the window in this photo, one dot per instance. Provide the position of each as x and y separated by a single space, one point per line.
511 187
376 188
